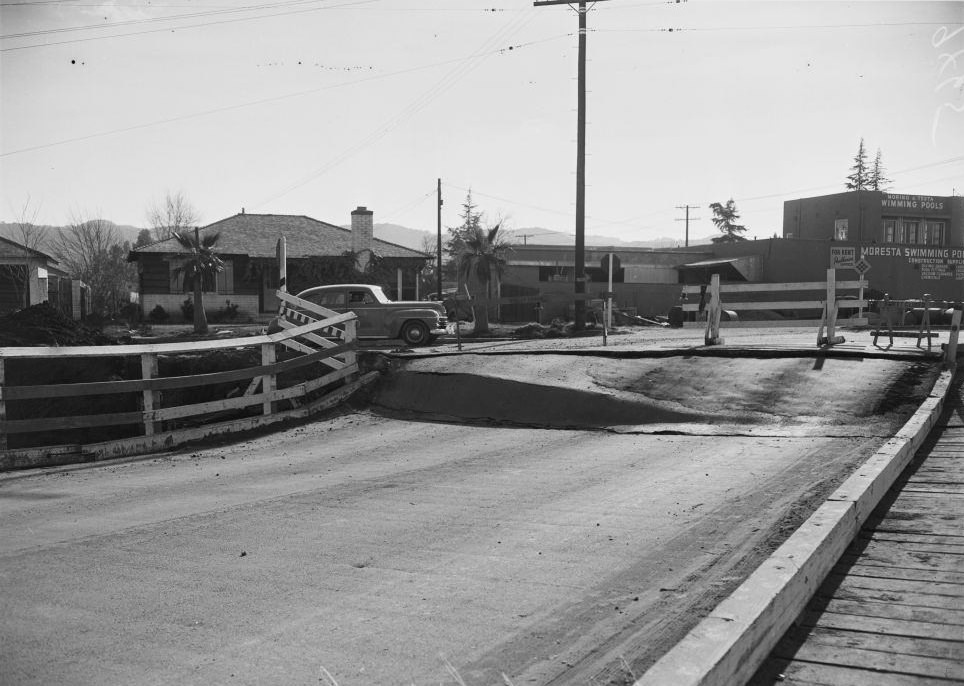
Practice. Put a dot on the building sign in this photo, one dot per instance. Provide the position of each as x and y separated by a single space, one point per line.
842 258
912 204
933 263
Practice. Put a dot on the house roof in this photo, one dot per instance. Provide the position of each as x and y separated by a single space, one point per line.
11 248
256 235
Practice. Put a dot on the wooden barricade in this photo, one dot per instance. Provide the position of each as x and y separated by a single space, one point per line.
712 302
322 338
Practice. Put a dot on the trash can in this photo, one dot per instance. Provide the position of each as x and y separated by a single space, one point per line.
676 317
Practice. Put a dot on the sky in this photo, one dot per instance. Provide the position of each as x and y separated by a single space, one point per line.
315 107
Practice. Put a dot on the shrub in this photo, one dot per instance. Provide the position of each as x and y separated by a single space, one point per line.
228 313
158 315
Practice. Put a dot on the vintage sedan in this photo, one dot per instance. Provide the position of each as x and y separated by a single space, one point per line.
415 322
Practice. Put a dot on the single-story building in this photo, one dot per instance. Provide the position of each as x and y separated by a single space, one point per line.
30 277
248 247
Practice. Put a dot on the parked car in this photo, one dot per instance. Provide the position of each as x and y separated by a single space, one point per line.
415 322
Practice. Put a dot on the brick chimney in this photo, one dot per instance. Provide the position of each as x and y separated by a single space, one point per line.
362 229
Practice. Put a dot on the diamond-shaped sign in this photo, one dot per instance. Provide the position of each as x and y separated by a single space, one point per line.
862 266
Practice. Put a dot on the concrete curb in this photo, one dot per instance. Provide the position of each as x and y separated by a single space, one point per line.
729 645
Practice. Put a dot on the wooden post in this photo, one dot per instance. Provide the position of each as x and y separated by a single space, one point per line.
282 265
151 398
831 305
3 409
950 352
829 318
925 322
269 382
351 335
713 313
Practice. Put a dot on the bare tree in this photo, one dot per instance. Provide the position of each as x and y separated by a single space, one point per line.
26 230
89 250
175 214
31 237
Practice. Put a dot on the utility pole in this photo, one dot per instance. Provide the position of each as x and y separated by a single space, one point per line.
580 266
687 220
438 270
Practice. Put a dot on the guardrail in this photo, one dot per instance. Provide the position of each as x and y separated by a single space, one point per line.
155 414
830 305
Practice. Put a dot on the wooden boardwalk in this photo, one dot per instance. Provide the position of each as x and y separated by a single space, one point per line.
892 610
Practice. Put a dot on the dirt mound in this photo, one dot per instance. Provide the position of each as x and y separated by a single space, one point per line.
759 396
43 325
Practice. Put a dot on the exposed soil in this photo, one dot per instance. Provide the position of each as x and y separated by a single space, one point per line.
43 325
686 394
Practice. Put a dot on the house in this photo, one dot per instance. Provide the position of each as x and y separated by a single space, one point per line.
248 246
30 277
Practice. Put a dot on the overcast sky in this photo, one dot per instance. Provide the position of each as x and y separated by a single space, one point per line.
318 106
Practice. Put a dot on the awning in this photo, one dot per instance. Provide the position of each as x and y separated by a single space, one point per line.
729 269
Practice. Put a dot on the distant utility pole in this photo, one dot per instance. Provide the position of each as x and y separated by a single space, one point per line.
580 266
438 271
526 236
687 219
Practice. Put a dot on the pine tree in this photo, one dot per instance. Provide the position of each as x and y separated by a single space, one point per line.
725 216
857 180
877 181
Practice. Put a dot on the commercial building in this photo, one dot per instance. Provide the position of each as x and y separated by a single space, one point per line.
904 245
911 244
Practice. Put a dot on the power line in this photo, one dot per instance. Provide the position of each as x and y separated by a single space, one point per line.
189 26
444 84
264 101
151 20
778 28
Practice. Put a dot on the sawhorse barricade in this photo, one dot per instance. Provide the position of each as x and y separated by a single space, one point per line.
712 303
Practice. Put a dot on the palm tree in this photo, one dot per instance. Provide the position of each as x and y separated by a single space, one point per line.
482 255
199 270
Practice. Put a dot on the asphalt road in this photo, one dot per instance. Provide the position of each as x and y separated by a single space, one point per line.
384 550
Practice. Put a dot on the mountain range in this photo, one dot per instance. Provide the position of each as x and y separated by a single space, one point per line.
417 239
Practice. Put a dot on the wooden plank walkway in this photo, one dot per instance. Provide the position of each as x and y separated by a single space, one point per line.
891 612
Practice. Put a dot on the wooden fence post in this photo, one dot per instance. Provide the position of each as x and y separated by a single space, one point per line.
950 352
351 335
925 322
151 398
269 382
713 313
3 409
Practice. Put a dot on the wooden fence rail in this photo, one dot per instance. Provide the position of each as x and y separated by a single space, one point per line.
830 304
326 340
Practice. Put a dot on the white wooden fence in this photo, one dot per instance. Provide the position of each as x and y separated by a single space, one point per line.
830 304
324 340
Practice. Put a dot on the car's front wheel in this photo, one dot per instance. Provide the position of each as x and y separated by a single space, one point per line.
414 333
